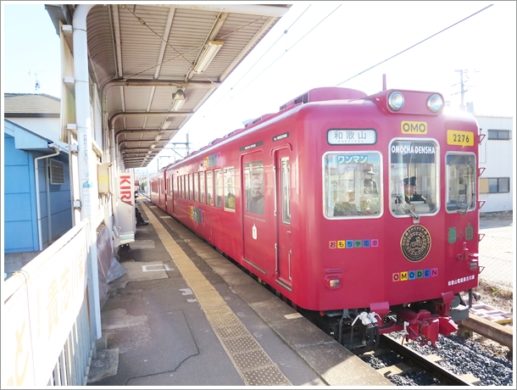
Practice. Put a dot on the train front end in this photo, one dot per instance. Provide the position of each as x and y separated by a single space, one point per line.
401 215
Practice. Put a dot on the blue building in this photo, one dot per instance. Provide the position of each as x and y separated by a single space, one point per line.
36 190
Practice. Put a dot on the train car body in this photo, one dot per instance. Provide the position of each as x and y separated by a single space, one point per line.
158 194
359 208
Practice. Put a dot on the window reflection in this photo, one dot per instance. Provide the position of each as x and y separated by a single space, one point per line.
229 189
254 187
413 177
352 185
219 190
461 181
209 188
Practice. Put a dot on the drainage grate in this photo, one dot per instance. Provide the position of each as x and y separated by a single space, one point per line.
268 376
251 360
239 344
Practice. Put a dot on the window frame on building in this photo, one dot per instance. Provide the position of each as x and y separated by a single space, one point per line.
485 185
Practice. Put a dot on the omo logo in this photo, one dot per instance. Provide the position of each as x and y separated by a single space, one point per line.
413 127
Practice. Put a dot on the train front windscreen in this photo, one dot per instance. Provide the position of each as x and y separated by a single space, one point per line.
413 176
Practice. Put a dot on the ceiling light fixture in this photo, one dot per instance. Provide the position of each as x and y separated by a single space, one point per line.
178 99
207 55
167 122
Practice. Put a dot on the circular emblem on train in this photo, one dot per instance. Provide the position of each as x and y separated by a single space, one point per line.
415 243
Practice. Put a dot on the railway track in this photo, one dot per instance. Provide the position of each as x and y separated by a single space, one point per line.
405 366
408 364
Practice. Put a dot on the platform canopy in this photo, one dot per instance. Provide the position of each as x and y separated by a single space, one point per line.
155 65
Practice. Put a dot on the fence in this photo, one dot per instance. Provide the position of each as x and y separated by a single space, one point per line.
47 334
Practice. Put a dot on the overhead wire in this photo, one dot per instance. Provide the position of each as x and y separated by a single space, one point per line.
284 33
296 43
228 97
415 45
363 71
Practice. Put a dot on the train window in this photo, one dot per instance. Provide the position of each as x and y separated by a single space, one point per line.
229 189
254 187
191 186
461 182
286 189
209 188
202 187
219 189
196 185
352 185
413 177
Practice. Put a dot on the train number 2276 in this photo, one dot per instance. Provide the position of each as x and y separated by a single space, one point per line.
460 137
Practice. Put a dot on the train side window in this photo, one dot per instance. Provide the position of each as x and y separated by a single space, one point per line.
461 182
189 186
254 187
202 185
414 177
352 185
219 188
209 188
196 186
229 189
286 191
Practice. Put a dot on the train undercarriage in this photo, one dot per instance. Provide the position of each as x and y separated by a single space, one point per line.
422 321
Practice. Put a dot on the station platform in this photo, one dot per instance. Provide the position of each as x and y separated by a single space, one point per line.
185 315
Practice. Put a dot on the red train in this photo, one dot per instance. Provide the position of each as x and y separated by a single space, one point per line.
360 209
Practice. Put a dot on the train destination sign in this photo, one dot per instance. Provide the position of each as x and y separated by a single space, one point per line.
351 137
280 136
252 146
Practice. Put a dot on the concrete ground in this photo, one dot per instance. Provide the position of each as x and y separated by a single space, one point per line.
496 249
182 315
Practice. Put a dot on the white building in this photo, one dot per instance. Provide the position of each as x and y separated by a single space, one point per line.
496 162
39 113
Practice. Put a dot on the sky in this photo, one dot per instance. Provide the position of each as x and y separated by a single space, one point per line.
417 45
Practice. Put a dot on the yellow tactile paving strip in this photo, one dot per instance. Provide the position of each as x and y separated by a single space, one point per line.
249 358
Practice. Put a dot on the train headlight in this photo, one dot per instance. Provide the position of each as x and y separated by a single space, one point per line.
396 101
435 102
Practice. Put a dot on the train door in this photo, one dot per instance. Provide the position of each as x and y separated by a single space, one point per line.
283 218
258 237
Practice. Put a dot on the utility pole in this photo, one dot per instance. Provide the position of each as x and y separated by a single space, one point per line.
462 88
